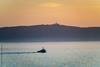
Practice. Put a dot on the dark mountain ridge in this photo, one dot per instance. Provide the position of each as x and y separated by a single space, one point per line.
53 32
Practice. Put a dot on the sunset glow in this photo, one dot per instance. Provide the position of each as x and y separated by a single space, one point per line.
34 12
50 5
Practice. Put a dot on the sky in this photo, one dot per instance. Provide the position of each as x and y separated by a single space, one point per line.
83 13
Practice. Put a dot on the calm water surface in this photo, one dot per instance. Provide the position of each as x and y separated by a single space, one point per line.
59 54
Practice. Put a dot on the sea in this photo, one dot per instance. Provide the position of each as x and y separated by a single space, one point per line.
59 54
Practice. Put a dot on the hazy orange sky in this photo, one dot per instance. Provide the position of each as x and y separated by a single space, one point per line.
33 12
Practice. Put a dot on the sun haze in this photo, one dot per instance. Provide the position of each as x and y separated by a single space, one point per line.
33 12
50 4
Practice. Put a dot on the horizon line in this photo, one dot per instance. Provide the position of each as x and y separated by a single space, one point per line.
56 23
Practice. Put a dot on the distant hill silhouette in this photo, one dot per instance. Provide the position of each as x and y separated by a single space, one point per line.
53 32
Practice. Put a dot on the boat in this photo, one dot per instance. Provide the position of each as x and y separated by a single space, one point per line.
42 51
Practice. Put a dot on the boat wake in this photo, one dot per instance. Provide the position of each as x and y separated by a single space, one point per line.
40 51
17 52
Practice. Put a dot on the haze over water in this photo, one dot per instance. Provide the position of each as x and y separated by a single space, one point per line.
59 54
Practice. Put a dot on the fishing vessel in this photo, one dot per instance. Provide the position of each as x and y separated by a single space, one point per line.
42 51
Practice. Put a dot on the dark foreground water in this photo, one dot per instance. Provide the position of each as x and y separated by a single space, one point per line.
59 54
